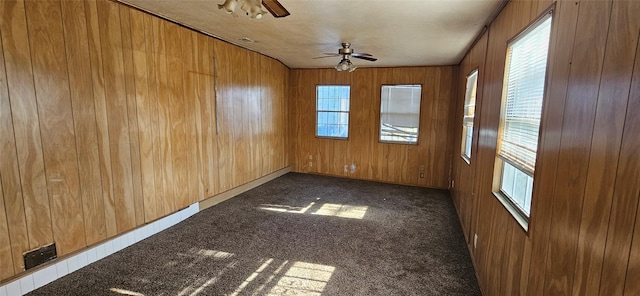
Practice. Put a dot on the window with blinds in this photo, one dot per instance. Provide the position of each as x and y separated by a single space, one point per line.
523 92
400 113
332 111
469 114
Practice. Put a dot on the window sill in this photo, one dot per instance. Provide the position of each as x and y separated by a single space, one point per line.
466 159
523 221
332 138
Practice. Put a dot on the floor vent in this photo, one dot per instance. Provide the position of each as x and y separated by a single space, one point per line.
38 256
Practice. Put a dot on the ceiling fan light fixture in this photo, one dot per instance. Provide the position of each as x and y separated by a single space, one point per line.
229 6
344 65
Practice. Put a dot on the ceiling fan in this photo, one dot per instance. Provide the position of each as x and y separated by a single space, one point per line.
253 8
346 52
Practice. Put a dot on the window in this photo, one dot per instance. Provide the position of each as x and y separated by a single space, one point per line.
469 114
400 113
522 96
332 111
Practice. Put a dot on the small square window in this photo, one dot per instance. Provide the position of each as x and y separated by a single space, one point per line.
400 113
332 111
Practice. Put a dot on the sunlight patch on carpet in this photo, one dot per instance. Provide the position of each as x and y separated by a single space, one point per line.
327 209
303 279
286 209
344 211
125 292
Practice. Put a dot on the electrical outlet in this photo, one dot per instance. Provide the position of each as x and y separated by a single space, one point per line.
421 175
475 240
453 183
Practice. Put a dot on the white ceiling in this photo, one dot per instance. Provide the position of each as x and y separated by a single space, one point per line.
398 33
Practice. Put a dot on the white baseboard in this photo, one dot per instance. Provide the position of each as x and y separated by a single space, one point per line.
60 267
214 200
51 271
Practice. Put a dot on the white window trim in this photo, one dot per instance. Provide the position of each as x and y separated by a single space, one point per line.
381 113
463 146
521 217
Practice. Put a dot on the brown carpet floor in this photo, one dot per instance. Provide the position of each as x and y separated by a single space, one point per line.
297 235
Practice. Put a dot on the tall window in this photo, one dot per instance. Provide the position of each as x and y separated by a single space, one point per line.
400 113
522 97
332 111
469 114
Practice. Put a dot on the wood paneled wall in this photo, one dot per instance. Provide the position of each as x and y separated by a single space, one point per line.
395 163
584 230
110 118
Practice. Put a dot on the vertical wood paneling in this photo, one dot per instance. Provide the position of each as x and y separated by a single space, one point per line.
10 176
584 204
24 112
81 91
190 84
110 118
575 146
116 105
562 37
394 163
206 98
56 123
226 152
605 148
177 122
144 107
164 123
624 209
130 89
153 107
629 168
102 123
6 265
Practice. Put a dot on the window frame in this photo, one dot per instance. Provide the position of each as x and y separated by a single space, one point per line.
521 217
463 142
380 140
348 113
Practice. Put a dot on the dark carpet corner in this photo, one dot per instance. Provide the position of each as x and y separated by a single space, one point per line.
297 235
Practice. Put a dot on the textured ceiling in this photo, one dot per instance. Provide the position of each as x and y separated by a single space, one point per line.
398 33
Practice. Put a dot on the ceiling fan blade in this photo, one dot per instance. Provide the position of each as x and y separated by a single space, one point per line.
372 59
275 8
328 55
360 54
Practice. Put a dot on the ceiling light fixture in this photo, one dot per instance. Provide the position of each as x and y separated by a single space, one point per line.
345 64
253 8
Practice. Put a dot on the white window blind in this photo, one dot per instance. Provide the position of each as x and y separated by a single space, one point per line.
523 93
400 113
469 113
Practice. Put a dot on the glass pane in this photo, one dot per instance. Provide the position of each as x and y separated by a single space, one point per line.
469 113
332 105
518 186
